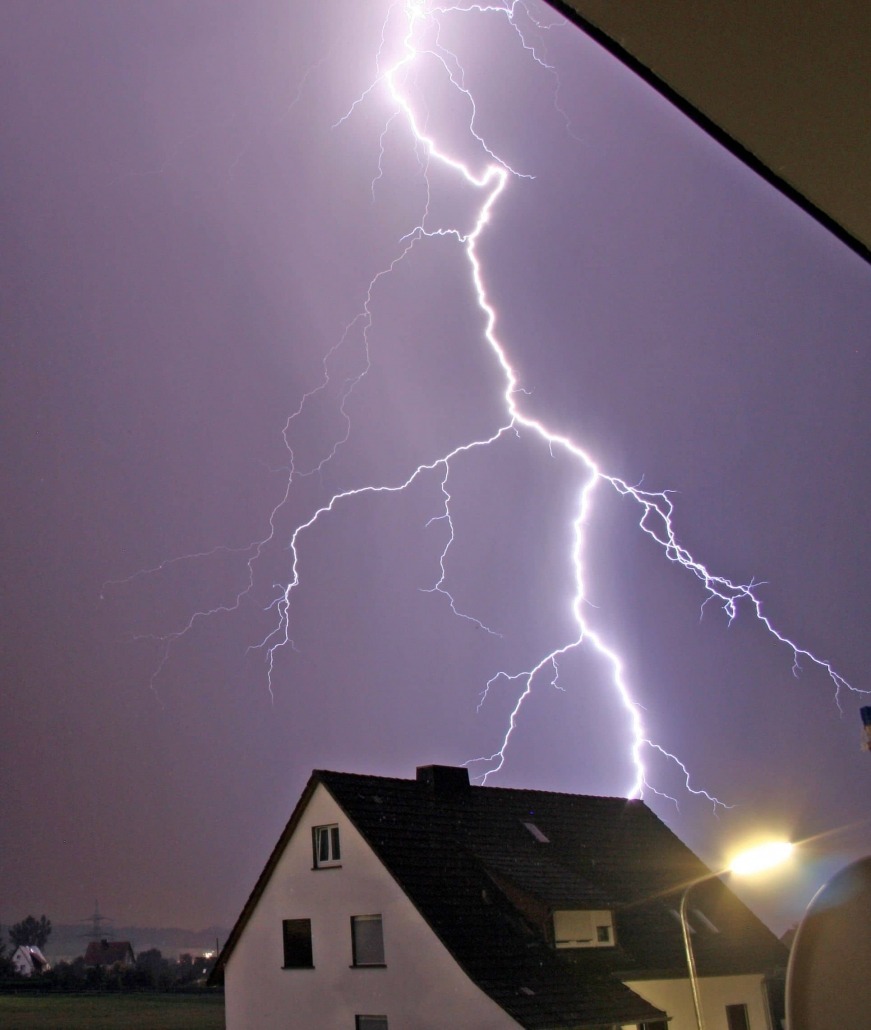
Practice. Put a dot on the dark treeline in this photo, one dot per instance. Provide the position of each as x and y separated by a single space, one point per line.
150 972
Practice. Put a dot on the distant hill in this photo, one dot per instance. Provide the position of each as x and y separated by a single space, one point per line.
68 941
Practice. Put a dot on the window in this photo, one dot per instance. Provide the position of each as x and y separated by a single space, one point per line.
695 919
583 928
539 835
325 845
658 1024
297 934
737 1018
370 1022
367 940
703 920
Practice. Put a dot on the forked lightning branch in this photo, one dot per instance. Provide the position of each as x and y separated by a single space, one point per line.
412 54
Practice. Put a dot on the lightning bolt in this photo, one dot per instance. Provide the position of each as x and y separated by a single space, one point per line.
411 44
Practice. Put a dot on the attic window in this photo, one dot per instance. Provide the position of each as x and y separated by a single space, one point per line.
536 832
325 846
297 935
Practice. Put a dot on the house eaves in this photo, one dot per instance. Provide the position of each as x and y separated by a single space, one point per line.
785 87
217 974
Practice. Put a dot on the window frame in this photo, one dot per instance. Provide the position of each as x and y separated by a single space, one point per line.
537 833
738 1016
328 832
357 962
298 945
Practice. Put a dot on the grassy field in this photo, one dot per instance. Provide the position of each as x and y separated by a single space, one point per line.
112 1012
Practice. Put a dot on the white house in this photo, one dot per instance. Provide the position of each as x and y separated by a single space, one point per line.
28 960
430 903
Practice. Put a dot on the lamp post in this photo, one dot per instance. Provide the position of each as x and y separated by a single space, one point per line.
688 951
748 862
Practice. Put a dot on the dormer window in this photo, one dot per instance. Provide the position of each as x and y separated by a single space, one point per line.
697 917
583 928
325 845
704 921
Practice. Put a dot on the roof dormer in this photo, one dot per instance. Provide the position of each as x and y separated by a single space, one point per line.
583 928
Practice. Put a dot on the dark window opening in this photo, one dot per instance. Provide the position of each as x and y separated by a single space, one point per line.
737 1017
297 934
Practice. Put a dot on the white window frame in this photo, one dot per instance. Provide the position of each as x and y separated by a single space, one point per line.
326 846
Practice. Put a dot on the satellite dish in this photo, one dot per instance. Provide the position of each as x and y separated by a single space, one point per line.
828 980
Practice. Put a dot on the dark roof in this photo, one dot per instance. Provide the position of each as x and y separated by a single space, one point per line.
107 953
487 886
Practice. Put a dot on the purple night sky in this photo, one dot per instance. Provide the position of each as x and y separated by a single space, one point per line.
187 233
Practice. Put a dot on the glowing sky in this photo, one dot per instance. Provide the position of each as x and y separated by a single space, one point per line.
192 228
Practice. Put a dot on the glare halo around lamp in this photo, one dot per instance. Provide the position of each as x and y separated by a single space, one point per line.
748 863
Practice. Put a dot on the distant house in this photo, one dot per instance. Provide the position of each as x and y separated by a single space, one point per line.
430 903
28 960
109 953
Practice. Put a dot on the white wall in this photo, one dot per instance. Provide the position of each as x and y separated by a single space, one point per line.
716 992
421 986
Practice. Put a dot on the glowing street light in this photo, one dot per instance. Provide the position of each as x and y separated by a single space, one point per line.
758 859
755 860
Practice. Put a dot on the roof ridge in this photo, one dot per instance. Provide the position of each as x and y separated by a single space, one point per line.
486 787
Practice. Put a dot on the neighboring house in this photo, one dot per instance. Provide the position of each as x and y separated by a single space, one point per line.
28 960
110 953
393 904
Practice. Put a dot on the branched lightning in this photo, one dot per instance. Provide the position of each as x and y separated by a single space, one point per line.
439 586
412 35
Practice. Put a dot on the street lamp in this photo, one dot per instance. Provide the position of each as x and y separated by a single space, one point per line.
747 863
